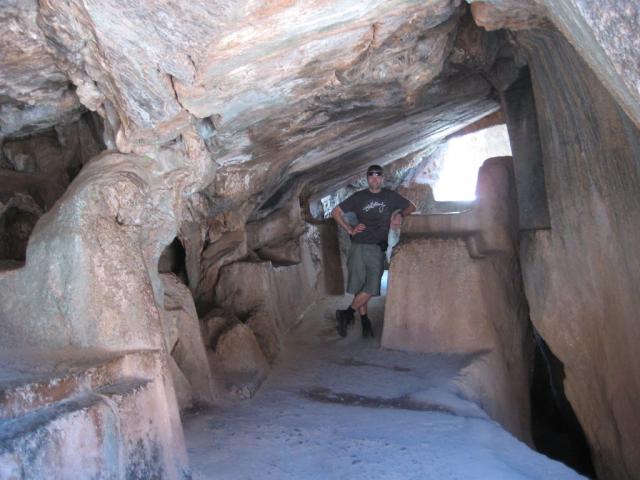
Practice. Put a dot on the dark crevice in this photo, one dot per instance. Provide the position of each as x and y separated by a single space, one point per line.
324 395
555 428
16 226
173 260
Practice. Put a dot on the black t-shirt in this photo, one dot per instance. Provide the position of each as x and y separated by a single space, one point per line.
374 210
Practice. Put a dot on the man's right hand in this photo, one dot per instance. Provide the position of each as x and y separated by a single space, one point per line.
357 229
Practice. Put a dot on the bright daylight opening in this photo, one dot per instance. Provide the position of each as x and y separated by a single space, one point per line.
463 156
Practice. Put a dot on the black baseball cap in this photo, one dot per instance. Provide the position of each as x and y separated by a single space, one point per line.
374 170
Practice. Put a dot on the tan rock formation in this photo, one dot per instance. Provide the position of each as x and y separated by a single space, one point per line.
602 32
453 289
35 91
239 357
580 274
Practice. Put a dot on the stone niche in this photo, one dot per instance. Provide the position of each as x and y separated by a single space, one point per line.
455 287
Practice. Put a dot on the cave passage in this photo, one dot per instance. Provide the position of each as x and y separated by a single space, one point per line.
169 267
345 405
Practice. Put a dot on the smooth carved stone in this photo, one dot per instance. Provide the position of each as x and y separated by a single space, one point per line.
604 34
581 275
441 300
489 225
91 253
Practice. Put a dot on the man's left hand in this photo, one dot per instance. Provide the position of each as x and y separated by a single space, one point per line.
396 221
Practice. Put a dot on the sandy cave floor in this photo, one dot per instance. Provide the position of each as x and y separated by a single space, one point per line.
335 408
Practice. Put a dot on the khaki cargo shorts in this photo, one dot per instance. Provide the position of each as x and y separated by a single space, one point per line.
365 264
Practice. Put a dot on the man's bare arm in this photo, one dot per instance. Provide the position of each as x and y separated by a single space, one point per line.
396 219
338 216
409 210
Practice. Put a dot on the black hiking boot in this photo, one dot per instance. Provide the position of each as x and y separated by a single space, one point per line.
367 329
343 317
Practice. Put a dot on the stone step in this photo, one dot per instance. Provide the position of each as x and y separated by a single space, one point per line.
88 414
32 380
85 436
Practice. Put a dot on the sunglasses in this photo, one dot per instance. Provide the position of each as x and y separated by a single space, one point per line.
374 174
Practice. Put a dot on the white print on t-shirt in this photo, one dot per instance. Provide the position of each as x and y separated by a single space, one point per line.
374 204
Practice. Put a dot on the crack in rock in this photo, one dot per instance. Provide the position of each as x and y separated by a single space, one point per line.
354 362
325 395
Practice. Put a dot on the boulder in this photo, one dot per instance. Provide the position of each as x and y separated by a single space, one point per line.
286 254
265 329
244 366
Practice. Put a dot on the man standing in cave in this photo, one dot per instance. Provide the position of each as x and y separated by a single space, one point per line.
377 209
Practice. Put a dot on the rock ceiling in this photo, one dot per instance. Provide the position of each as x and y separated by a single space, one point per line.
308 92
266 99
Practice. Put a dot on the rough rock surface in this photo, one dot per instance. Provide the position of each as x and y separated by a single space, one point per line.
34 172
579 274
238 351
35 93
265 329
509 14
603 33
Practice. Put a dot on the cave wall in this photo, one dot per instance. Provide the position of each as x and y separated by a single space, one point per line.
581 275
603 34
